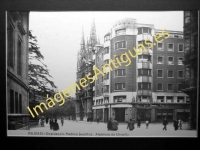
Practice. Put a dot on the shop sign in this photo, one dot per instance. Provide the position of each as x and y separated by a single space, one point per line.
183 110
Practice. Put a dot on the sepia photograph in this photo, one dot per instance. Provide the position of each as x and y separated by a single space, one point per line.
102 73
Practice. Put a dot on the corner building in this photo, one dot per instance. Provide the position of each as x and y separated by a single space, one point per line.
140 89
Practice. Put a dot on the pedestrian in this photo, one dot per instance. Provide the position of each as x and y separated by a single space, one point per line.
55 125
62 120
175 125
147 123
180 124
165 122
109 125
115 125
97 119
130 125
51 123
42 121
47 119
138 122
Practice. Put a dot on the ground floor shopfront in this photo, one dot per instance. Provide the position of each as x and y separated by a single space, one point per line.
155 112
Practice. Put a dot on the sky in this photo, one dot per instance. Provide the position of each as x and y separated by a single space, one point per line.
59 34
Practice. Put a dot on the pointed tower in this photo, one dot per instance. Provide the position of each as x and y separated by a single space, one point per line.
93 36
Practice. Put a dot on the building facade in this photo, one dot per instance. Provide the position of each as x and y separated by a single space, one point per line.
146 86
191 63
17 70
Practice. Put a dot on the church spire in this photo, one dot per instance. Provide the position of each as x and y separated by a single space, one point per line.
82 38
93 36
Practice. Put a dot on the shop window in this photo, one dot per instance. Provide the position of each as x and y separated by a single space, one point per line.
169 99
160 99
119 99
180 99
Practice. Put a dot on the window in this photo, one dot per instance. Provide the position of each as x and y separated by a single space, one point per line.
106 61
16 102
101 78
12 104
160 74
119 99
102 56
121 32
170 87
106 38
180 99
187 73
160 99
160 87
180 87
144 72
106 50
120 72
170 74
10 39
180 60
169 99
144 86
98 81
106 76
160 46
160 60
102 91
121 44
187 17
170 47
180 47
119 86
142 30
97 59
19 65
106 100
170 60
180 74
106 88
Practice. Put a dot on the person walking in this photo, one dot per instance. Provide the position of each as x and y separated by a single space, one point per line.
62 120
138 122
97 119
165 122
175 125
51 123
115 125
180 124
47 120
109 125
130 125
55 125
147 123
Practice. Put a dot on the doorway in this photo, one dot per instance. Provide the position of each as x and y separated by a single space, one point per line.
120 114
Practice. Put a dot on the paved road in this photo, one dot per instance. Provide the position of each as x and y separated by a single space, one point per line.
88 129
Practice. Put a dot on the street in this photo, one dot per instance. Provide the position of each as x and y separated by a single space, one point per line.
87 129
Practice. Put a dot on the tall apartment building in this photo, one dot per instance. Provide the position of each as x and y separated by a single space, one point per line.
191 63
17 70
149 86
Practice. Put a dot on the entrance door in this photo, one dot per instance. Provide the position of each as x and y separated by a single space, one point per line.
144 114
120 114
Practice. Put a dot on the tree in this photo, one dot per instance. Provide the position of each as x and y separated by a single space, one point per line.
39 82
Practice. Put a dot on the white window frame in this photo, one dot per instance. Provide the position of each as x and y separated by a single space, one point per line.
168 73
160 49
168 87
168 60
168 47
123 72
178 60
157 87
118 42
162 59
162 73
178 47
178 74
